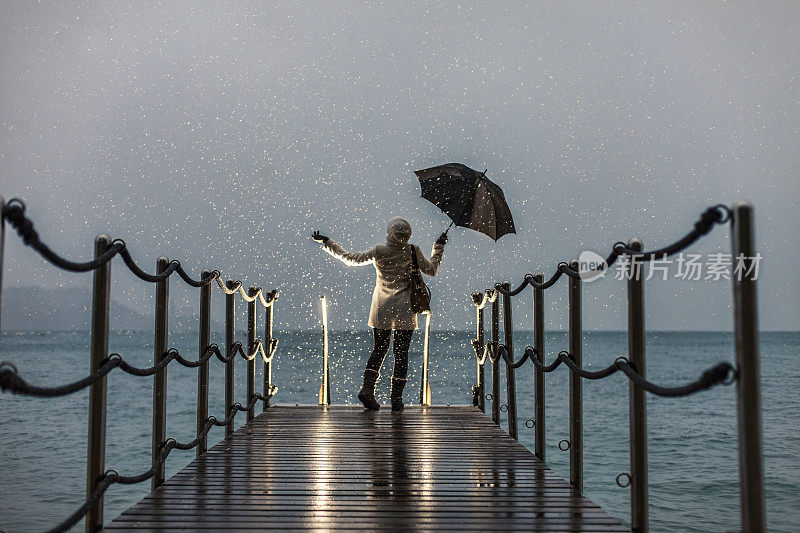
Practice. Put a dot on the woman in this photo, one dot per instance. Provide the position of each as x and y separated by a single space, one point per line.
391 302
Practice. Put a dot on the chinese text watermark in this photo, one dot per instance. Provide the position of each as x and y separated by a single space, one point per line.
683 266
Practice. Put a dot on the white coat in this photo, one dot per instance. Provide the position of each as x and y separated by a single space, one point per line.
391 299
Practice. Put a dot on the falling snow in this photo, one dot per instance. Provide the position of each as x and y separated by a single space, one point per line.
223 135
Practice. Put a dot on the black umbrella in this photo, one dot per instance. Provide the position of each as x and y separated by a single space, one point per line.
468 197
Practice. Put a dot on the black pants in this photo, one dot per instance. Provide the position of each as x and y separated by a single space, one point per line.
402 342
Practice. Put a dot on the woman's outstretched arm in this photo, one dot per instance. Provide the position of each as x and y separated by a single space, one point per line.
348 258
431 266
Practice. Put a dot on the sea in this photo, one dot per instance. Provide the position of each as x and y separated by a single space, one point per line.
692 441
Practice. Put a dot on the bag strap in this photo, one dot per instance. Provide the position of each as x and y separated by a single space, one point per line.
414 262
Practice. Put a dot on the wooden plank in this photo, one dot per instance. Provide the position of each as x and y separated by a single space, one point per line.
336 467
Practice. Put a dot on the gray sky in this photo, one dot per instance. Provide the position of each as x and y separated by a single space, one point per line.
222 135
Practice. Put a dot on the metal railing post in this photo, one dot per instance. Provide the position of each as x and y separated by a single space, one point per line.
230 337
481 394
508 340
748 383
2 246
638 400
575 384
251 343
96 449
268 349
203 371
325 386
538 344
496 362
160 377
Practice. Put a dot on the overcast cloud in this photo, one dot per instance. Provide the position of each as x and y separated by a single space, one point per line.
224 134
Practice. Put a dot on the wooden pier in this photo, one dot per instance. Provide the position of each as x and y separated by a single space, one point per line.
310 467
323 467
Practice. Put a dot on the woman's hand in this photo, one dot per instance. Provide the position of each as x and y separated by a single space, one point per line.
442 239
322 239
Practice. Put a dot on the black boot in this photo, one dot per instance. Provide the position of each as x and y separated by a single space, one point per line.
367 393
398 384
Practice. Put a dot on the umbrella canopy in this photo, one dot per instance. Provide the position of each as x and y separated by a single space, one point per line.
468 197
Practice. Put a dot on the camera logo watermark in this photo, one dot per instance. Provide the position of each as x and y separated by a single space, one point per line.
591 266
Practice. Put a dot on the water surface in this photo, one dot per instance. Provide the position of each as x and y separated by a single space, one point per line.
693 464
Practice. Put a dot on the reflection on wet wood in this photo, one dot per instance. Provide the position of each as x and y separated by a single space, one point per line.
316 467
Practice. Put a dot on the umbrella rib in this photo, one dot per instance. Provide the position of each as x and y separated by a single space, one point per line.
494 210
474 196
510 217
494 215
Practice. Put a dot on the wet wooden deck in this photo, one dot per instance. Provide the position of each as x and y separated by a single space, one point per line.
434 468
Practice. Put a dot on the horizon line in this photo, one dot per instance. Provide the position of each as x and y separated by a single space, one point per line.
317 330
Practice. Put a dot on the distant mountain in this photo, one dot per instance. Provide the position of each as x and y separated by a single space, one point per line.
66 309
